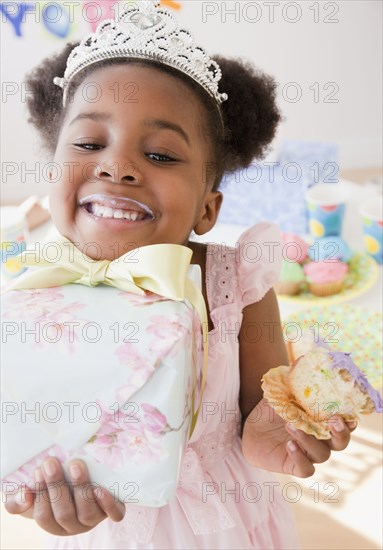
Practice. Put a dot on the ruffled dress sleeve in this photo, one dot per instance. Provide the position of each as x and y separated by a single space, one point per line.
260 259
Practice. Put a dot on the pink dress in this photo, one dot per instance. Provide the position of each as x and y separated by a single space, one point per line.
222 502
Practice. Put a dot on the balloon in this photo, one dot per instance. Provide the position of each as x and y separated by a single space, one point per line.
95 12
16 18
171 4
56 19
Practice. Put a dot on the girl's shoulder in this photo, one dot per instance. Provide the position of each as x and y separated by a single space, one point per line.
246 271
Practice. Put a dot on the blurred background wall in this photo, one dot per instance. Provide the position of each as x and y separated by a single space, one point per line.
327 57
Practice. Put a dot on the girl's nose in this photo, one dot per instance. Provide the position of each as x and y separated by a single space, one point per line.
116 172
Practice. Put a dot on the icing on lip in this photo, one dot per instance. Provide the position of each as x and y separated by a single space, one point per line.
116 207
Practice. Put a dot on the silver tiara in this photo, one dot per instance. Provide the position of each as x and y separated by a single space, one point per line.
144 31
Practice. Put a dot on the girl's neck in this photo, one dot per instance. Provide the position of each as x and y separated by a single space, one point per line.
199 258
199 255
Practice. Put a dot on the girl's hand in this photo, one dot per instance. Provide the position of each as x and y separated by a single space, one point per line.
59 511
271 444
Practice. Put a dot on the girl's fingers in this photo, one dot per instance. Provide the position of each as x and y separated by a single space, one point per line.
352 426
89 512
21 503
113 508
43 513
316 450
60 513
61 500
340 433
300 465
304 450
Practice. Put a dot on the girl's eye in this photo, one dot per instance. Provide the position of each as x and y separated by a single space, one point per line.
88 146
159 157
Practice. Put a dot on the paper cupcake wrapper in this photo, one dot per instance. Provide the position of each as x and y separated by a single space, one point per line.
277 391
290 288
326 289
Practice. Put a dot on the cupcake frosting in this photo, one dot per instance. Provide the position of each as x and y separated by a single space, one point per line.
342 360
330 249
295 248
325 271
291 272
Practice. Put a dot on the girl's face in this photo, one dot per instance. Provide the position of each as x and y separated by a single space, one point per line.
133 160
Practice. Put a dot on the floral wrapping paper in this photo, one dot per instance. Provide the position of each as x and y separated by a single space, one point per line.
101 375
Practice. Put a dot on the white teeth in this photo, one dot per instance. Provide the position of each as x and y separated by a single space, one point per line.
96 209
108 212
130 216
101 211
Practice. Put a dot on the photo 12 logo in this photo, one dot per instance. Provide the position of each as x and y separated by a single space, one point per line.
271 12
59 18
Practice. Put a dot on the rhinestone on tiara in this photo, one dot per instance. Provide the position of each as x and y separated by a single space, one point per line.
145 31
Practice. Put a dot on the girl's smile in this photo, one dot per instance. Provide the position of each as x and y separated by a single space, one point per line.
109 207
133 172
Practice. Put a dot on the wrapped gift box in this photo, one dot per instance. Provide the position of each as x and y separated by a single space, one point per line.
274 189
101 375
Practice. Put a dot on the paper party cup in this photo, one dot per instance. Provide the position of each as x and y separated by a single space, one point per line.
326 206
372 219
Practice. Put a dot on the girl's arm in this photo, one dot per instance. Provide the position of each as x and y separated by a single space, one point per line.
269 441
261 347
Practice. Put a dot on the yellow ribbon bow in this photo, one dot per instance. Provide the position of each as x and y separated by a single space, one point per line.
159 268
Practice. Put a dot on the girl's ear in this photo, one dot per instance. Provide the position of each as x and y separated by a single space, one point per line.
209 213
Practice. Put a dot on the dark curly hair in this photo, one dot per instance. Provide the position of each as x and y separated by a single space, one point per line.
250 116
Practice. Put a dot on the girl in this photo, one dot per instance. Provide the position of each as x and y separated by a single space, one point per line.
141 162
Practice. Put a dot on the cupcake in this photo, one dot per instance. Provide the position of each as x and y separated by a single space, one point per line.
295 249
307 341
320 384
325 278
291 278
330 249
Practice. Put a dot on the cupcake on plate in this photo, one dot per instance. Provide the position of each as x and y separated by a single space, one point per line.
318 385
291 278
295 249
330 249
325 278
